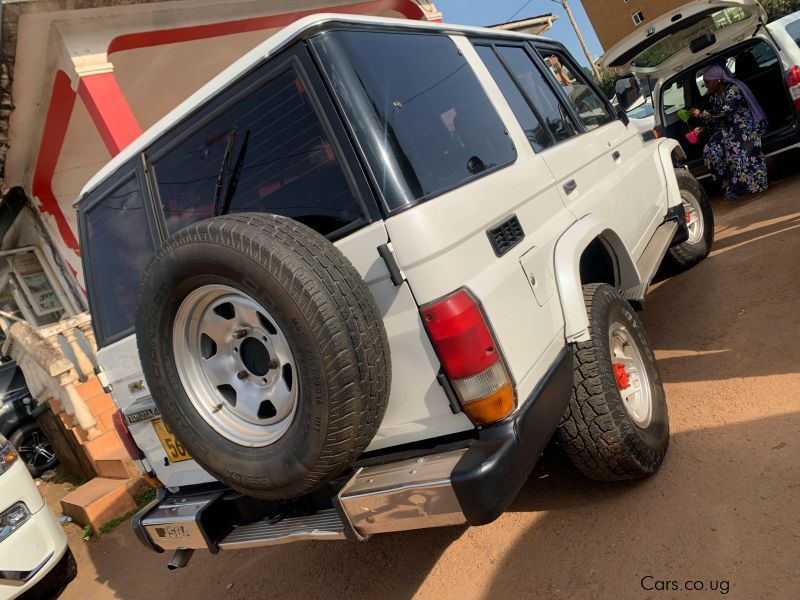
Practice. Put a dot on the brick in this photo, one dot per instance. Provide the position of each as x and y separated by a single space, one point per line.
105 419
99 500
90 387
55 406
116 465
100 403
68 420
80 434
102 445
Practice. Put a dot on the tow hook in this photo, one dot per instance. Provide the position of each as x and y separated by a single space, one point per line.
180 559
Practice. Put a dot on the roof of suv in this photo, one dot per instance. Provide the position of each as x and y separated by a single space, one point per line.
274 44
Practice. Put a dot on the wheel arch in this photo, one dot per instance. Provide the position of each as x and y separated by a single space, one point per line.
588 243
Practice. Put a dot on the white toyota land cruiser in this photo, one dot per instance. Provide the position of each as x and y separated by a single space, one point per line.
381 263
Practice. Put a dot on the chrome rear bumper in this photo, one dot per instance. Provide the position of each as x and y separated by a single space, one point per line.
399 496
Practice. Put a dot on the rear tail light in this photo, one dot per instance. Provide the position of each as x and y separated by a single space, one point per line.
470 358
793 81
125 436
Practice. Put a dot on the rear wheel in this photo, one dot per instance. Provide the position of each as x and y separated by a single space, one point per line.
616 426
35 450
699 221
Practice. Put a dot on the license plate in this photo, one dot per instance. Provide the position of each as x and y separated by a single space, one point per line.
174 449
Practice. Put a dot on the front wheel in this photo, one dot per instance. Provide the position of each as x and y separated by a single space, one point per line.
699 221
616 426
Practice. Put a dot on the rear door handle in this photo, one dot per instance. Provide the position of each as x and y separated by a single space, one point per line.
570 186
616 155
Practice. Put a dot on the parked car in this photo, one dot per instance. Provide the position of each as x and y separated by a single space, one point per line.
17 421
381 263
34 557
676 48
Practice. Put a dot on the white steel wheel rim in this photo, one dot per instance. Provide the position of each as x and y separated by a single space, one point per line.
637 397
236 365
694 217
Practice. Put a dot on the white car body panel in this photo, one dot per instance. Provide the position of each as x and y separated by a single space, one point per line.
38 538
788 46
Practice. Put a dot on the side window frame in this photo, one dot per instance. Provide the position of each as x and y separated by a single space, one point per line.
132 170
555 88
538 48
295 58
493 44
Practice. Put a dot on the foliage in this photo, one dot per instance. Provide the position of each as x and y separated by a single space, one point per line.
780 8
145 498
606 82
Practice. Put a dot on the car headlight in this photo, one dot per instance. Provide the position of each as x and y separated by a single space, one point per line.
12 519
8 455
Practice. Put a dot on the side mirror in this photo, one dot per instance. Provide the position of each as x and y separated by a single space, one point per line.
623 116
627 91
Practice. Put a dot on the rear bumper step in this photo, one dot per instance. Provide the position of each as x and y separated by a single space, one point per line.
473 484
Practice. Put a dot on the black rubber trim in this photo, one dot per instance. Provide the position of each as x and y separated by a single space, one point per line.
678 214
447 387
138 528
391 264
488 477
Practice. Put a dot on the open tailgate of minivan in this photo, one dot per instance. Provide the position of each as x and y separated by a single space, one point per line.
662 46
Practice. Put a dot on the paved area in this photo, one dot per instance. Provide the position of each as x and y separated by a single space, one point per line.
721 514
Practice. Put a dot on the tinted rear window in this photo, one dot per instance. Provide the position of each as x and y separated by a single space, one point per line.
269 152
417 109
794 30
120 248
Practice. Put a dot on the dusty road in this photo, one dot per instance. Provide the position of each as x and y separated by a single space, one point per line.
723 511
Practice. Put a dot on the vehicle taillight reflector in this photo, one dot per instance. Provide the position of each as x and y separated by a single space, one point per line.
460 335
470 358
793 81
125 436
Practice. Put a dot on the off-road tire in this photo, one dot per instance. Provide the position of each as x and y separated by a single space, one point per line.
331 322
686 255
596 431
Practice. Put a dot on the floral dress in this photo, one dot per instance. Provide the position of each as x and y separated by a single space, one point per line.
733 151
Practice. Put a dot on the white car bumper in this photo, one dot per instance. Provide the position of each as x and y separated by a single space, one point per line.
30 552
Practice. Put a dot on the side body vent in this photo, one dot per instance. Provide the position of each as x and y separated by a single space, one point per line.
506 235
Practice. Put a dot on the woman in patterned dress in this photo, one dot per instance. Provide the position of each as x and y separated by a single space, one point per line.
733 126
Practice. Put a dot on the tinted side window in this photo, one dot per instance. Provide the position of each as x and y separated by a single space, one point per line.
417 109
539 92
590 106
269 153
120 248
537 135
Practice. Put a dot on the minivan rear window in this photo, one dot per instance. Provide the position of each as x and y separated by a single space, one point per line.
120 248
417 109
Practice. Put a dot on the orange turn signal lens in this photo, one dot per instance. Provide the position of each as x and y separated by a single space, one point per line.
491 409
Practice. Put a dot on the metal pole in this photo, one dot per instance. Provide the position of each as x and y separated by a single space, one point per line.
581 40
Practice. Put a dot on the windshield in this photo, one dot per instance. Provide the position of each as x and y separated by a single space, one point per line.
669 46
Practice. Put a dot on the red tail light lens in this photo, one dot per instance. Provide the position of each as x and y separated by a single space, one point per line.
125 436
468 351
793 81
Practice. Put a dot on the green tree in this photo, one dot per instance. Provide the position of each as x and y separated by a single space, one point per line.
780 8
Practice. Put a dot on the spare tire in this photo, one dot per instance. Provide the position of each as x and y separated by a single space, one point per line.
264 351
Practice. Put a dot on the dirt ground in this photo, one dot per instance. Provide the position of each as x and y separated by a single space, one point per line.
720 516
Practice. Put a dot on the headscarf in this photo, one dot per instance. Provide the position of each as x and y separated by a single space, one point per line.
722 72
